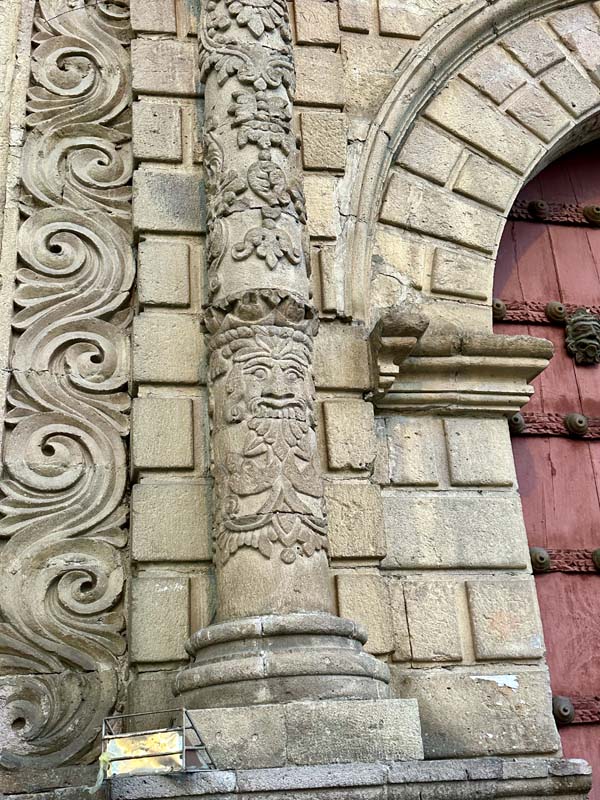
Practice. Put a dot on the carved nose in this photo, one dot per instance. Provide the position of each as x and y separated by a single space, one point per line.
278 387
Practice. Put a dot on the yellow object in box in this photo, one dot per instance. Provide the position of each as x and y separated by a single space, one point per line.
143 754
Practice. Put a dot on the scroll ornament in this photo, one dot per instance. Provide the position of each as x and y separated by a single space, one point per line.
63 484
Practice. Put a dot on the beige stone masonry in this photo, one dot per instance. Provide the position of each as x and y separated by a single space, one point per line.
158 618
349 434
317 22
312 63
153 16
355 518
162 433
323 139
534 47
364 596
164 273
157 132
431 609
164 67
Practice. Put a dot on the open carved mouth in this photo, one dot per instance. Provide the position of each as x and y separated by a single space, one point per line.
283 408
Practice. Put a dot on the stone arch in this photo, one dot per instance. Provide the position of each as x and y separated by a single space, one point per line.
487 99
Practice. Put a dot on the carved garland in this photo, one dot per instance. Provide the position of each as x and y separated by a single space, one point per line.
64 478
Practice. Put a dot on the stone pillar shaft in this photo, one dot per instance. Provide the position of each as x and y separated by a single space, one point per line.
276 637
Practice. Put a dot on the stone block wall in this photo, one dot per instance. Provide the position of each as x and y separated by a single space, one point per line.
170 593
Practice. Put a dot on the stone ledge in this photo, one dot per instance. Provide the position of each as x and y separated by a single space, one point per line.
430 780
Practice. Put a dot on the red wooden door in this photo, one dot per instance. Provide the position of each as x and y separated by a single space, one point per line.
552 253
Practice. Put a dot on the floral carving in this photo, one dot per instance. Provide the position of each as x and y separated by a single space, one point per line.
269 243
63 484
258 16
263 119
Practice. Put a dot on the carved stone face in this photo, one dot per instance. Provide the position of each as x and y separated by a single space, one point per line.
269 377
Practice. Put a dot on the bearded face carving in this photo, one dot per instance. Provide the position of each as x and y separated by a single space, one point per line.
269 483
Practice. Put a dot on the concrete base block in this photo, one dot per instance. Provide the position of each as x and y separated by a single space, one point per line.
311 733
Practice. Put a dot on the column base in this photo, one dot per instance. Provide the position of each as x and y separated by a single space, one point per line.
280 659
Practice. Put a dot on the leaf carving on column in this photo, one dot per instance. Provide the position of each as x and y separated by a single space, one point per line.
63 485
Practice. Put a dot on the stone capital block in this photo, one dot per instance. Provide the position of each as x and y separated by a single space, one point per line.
349 434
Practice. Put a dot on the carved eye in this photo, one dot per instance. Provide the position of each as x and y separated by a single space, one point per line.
260 373
292 374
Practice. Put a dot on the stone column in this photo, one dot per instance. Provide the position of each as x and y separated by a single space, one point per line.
276 637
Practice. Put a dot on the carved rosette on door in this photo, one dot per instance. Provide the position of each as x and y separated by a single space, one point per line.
276 638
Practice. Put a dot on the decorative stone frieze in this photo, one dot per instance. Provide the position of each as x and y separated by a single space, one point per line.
276 638
62 490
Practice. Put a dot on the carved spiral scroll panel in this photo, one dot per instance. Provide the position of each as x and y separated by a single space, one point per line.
64 473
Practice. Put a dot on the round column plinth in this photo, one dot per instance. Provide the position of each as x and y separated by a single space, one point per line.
280 659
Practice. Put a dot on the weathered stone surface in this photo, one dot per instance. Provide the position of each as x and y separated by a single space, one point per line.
411 18
414 446
399 622
312 63
480 712
572 88
538 112
319 191
359 730
505 618
355 520
532 45
157 131
426 530
341 358
162 433
495 74
461 275
579 29
349 434
153 16
164 273
431 609
369 65
363 596
167 348
479 452
463 111
416 153
355 15
323 139
486 182
422 207
317 22
158 618
170 522
168 202
165 67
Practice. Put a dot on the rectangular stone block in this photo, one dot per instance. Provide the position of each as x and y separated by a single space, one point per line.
162 433
330 732
505 618
410 204
354 520
349 434
452 530
312 63
573 90
165 67
539 113
153 691
400 634
170 522
159 619
250 737
321 208
461 275
414 447
482 180
153 16
461 110
411 19
364 597
579 29
167 348
164 273
355 15
424 140
481 712
203 598
533 46
341 358
404 258
157 131
323 139
316 22
479 452
495 74
168 202
432 613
